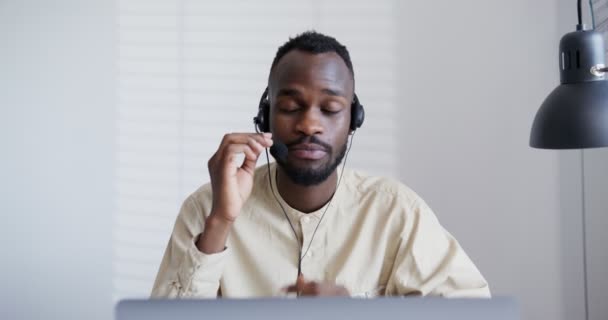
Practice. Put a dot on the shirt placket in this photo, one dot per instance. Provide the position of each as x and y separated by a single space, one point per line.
308 225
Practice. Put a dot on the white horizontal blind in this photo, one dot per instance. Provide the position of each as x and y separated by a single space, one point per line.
600 11
191 71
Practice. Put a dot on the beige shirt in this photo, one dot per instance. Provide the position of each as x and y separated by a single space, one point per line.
377 237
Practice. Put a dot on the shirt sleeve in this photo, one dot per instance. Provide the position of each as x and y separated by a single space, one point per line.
185 272
430 261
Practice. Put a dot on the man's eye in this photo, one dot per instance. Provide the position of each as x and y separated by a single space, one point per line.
332 109
288 109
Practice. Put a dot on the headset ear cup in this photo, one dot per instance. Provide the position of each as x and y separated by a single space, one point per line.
261 120
265 111
357 114
360 116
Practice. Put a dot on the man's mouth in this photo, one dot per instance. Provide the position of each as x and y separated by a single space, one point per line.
308 151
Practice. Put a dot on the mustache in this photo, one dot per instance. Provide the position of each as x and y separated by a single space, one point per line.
311 140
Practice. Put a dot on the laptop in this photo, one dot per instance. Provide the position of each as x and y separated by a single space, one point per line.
321 309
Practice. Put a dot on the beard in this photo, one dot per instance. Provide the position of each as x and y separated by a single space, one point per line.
311 176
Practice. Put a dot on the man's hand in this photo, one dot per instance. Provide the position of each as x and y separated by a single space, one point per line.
231 185
312 288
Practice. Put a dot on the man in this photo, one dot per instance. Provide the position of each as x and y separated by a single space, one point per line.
304 226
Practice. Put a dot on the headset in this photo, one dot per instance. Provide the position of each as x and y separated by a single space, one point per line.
262 120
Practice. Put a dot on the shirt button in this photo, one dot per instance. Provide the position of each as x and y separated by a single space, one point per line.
309 254
305 220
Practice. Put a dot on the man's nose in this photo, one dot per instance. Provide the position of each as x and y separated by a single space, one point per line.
309 122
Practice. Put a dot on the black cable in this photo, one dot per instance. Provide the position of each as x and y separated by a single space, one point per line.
580 14
332 197
285 213
300 255
584 223
592 14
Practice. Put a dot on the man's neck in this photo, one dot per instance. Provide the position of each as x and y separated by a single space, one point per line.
305 198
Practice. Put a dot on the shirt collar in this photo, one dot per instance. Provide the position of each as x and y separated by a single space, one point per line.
294 212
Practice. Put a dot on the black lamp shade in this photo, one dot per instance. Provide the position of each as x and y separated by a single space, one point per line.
575 114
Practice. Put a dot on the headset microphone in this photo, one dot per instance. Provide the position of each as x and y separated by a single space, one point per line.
279 151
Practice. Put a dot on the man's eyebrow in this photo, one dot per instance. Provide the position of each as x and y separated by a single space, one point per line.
288 92
334 92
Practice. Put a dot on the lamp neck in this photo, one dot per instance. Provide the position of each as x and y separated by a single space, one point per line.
582 57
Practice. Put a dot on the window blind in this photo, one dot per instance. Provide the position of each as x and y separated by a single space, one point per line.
190 71
600 12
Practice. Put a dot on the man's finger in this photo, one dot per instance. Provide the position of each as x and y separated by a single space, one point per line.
250 160
291 288
311 288
298 286
231 151
256 146
301 281
265 139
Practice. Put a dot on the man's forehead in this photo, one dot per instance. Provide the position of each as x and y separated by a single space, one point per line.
304 67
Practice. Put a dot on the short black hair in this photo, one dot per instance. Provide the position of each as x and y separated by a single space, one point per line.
314 42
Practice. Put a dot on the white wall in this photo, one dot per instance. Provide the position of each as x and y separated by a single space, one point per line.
56 173
595 169
474 75
596 209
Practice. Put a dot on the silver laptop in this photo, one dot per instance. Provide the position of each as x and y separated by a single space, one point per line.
320 309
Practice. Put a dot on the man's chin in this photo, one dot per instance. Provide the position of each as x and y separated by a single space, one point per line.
311 172
307 165
308 178
306 175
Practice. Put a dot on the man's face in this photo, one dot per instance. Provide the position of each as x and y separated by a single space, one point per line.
311 97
